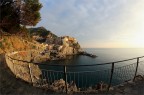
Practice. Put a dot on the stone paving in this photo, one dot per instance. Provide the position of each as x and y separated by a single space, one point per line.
130 88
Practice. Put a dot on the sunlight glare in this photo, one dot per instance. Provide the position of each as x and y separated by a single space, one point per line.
138 40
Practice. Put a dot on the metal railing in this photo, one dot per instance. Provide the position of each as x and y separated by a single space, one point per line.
116 73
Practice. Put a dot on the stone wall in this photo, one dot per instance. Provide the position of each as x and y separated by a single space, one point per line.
26 71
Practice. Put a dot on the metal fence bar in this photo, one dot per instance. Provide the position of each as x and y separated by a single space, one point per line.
65 78
82 77
75 65
136 68
112 70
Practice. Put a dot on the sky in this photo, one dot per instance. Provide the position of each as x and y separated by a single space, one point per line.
96 23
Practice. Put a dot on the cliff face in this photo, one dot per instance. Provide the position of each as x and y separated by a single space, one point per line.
65 45
48 45
55 47
10 43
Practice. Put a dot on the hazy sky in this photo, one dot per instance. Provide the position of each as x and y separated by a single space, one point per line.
96 23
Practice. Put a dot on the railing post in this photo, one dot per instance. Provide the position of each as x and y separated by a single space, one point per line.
13 68
14 71
30 72
111 76
136 68
65 77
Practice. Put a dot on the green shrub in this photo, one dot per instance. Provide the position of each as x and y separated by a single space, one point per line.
33 47
1 45
4 40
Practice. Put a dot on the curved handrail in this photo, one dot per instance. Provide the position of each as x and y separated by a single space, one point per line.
76 65
66 73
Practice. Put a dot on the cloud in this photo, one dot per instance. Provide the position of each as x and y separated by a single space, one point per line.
90 21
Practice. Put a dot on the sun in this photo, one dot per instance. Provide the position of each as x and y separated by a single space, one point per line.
138 41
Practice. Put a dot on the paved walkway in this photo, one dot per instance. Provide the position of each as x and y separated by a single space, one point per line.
130 88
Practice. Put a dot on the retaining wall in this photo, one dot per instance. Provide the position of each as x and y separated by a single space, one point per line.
26 71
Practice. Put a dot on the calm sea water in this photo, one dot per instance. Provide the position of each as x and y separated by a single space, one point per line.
101 72
105 55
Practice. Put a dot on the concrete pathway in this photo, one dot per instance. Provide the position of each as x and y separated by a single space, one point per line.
130 88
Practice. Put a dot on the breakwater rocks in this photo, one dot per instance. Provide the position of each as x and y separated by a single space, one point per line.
87 54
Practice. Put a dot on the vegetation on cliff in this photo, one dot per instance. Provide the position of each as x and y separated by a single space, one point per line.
10 43
41 31
17 13
14 36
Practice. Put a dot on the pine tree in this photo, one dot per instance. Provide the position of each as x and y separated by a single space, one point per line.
17 13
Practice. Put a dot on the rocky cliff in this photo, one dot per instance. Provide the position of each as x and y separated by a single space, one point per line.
48 45
55 47
10 43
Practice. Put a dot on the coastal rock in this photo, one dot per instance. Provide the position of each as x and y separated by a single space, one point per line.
72 87
62 46
59 86
49 40
39 38
61 55
40 58
58 41
138 78
67 50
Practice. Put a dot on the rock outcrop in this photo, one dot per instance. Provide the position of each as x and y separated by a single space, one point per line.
20 63
59 86
12 42
55 47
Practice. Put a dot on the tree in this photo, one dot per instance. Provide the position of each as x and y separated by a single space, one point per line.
30 12
16 13
8 15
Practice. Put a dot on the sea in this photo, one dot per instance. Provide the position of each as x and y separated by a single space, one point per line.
90 73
